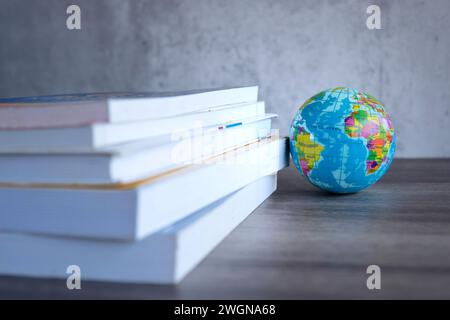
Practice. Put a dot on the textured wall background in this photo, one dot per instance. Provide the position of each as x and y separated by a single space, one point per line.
291 48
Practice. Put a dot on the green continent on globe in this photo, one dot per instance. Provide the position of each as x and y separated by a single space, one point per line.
370 122
308 150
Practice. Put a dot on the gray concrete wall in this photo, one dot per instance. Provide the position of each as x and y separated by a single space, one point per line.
291 48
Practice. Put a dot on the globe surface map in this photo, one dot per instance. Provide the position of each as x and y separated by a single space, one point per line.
342 140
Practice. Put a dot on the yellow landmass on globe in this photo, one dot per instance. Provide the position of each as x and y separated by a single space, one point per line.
308 151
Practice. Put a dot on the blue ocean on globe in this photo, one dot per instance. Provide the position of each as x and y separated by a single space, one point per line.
342 140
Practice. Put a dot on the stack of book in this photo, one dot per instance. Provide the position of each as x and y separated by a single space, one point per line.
130 187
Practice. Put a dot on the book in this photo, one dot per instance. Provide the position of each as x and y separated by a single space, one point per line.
164 257
136 210
83 109
131 161
100 135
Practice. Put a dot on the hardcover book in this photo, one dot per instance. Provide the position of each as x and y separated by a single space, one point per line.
92 137
87 108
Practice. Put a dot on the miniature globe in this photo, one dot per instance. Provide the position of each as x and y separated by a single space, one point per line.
342 140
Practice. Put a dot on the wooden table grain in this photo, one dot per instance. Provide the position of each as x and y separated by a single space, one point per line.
306 244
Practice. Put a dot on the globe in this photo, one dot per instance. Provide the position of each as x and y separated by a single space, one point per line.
342 140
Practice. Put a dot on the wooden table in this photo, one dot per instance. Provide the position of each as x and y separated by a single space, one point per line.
305 244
